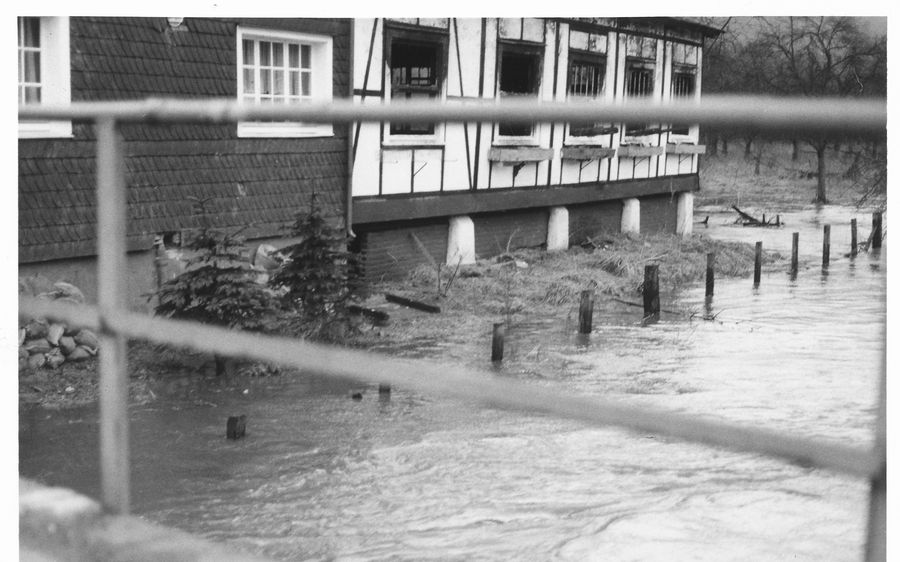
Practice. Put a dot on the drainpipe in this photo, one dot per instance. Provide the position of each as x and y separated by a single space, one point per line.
348 203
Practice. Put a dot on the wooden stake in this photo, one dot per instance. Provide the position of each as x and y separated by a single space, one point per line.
586 312
876 229
757 265
854 244
710 273
826 245
497 342
795 246
651 291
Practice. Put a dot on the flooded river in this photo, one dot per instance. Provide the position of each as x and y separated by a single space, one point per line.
322 477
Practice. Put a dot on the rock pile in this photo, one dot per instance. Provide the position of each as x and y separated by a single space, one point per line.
46 344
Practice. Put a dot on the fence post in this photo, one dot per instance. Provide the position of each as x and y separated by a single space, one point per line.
651 291
795 251
115 467
854 244
826 245
876 229
499 334
757 265
586 312
710 273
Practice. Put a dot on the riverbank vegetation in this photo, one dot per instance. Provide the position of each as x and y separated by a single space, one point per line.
515 287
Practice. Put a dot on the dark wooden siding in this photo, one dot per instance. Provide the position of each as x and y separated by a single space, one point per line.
253 183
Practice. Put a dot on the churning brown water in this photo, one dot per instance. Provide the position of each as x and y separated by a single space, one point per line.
320 476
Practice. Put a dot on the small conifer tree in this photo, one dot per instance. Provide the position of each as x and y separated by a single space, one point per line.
218 286
317 276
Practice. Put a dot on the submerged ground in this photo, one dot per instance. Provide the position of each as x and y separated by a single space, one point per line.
523 285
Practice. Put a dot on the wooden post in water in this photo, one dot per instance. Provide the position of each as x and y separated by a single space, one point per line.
757 265
651 291
710 273
826 245
854 244
777 220
586 312
497 341
795 247
876 229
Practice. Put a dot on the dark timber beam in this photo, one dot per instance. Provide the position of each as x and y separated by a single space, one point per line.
371 210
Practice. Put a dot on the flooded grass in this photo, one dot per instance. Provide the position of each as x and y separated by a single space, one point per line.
535 283
781 184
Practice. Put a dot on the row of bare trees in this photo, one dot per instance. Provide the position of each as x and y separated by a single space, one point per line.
798 56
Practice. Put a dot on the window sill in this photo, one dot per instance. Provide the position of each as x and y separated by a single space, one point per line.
45 129
587 152
515 141
516 154
686 148
639 151
424 140
283 130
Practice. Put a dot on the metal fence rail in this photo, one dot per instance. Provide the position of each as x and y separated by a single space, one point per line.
115 323
758 112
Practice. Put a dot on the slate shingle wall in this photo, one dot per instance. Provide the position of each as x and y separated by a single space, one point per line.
253 183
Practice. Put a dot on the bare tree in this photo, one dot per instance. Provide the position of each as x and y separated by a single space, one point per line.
816 56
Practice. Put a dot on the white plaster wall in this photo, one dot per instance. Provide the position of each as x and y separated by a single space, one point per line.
368 148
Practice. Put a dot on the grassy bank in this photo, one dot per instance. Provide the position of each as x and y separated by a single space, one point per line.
518 285
532 283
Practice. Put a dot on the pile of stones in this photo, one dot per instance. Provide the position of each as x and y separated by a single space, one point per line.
49 344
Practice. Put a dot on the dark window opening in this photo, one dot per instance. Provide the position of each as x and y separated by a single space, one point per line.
586 80
638 84
415 75
519 78
683 84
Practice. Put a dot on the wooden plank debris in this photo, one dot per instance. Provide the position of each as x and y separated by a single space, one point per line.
418 305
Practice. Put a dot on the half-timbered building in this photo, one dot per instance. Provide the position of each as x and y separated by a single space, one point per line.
463 190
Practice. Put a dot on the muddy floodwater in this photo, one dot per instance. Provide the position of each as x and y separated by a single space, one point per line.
320 476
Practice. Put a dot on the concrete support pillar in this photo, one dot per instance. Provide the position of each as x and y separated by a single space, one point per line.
631 215
684 224
558 230
461 240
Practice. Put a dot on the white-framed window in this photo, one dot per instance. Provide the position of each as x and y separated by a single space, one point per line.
283 67
416 69
519 77
684 81
640 79
44 74
586 82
